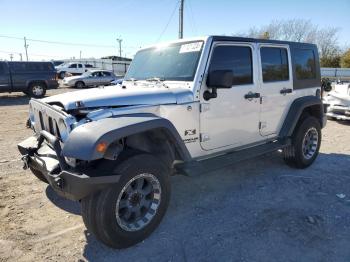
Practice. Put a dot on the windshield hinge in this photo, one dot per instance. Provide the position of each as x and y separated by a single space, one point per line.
204 107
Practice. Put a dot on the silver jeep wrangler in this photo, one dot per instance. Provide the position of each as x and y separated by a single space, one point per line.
186 106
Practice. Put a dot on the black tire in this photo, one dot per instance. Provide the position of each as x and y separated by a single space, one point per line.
297 155
99 210
80 84
37 89
62 75
39 175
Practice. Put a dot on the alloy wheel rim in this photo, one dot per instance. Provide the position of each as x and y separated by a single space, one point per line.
138 202
310 143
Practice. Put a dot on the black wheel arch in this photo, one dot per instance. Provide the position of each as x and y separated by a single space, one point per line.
299 109
31 82
143 132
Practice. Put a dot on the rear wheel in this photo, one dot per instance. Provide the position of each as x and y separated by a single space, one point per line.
79 84
62 75
37 90
129 211
306 142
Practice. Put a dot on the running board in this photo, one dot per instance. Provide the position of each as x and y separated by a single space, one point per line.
197 167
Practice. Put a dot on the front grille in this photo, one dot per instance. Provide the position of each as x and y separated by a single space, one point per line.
48 118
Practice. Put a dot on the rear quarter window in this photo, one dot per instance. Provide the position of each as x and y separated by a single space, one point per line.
274 62
305 65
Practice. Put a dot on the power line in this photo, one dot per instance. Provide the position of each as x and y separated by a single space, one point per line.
167 24
57 42
194 25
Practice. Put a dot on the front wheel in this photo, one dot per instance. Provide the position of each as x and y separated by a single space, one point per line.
306 142
129 211
62 75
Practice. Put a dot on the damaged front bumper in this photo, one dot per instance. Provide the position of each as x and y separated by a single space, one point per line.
338 112
43 154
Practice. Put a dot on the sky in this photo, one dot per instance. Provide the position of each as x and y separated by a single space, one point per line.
92 27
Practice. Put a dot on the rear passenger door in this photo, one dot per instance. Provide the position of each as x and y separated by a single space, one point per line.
5 83
107 78
276 83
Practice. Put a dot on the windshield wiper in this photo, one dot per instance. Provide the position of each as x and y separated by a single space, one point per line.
158 80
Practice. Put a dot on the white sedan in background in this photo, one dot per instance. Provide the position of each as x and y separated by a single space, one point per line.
90 78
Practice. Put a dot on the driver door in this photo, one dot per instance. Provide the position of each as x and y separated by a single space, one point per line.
232 118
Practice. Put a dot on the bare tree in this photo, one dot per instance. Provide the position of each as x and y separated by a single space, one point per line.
299 30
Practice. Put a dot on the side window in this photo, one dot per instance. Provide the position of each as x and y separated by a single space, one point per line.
305 67
80 66
106 74
235 58
274 63
73 66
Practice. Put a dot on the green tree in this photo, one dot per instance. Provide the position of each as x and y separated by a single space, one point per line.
330 61
345 59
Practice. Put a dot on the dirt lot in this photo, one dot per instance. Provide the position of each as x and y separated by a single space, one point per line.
259 210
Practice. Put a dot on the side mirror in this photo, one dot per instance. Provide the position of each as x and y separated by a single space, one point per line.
218 79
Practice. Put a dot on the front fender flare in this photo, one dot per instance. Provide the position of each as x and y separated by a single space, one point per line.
82 141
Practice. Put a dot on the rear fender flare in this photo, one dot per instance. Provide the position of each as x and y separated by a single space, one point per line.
295 111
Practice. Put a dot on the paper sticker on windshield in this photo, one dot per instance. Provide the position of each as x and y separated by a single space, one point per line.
191 47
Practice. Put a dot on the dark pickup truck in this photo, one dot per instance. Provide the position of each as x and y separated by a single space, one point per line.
31 78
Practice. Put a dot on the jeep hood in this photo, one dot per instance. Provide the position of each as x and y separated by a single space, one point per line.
108 96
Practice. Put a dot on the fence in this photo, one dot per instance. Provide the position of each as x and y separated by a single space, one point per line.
118 67
342 74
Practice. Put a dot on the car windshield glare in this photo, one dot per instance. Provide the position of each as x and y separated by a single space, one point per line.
175 62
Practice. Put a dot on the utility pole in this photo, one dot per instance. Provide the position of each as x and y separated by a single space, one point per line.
26 47
119 40
11 56
80 55
181 19
20 55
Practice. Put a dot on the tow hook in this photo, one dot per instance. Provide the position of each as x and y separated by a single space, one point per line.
59 182
25 160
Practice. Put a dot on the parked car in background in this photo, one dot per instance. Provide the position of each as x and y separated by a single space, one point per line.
338 102
117 81
31 78
90 78
57 62
72 68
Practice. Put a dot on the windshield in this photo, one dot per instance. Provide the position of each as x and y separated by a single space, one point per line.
177 62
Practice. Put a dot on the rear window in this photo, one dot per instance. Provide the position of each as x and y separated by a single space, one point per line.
88 66
274 64
305 66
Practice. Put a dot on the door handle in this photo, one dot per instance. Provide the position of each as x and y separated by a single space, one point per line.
251 95
285 91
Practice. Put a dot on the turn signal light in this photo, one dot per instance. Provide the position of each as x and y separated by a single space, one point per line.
101 147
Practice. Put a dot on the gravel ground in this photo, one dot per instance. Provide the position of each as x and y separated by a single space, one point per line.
257 210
